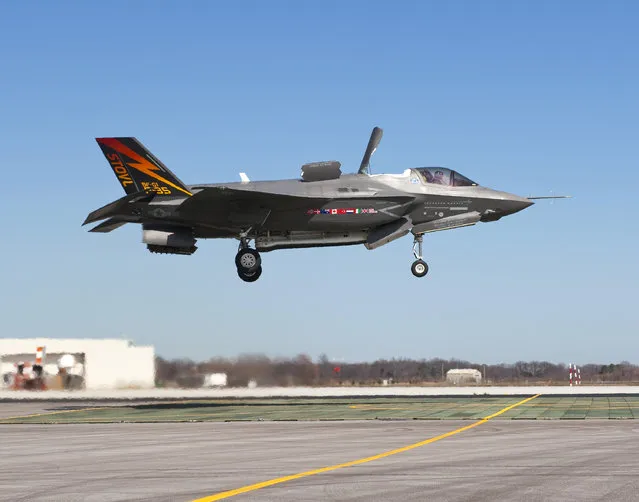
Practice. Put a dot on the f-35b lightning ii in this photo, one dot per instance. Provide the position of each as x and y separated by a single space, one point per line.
322 208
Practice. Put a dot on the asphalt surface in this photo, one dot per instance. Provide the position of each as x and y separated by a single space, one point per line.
498 460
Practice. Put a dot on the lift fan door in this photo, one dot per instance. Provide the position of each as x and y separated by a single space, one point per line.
321 171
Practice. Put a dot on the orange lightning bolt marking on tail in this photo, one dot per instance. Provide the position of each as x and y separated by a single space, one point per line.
141 164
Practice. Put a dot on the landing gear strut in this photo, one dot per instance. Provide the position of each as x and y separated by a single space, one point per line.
248 262
419 268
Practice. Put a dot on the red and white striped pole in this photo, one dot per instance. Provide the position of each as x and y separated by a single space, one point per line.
39 355
579 375
570 373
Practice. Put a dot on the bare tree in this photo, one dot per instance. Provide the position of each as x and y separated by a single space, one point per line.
301 370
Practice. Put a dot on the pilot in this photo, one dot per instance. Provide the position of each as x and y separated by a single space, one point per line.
428 175
439 177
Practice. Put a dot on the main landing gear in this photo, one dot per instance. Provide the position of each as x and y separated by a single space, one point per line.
248 262
419 268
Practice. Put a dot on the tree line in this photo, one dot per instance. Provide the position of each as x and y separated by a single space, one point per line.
301 370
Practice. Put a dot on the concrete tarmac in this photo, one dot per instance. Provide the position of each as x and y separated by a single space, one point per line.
337 391
583 460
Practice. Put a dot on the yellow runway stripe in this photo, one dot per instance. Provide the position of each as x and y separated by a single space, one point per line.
284 479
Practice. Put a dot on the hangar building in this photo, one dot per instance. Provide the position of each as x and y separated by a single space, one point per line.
99 363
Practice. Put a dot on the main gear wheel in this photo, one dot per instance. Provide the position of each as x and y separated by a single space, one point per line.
249 276
248 260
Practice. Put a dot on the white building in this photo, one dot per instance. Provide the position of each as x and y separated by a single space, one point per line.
216 380
103 364
463 376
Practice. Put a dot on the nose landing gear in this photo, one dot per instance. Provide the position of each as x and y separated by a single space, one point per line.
419 268
248 262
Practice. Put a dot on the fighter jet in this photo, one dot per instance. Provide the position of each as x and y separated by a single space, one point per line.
323 207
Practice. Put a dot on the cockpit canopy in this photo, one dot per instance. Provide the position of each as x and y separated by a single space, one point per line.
443 176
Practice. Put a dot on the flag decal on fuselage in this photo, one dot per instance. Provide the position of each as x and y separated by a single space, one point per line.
342 210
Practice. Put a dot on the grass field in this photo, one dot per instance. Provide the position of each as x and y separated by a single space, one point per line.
445 408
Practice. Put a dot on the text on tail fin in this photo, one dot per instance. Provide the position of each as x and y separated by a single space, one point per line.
137 169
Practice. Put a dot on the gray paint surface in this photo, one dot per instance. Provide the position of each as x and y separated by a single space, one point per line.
507 460
294 213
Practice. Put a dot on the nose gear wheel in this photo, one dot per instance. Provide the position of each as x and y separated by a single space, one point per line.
419 268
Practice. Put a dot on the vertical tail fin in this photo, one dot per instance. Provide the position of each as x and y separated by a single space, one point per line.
138 170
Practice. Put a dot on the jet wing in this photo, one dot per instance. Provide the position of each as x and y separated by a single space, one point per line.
242 207
226 196
243 199
113 208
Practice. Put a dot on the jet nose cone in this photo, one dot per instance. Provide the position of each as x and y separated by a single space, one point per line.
515 203
522 203
506 204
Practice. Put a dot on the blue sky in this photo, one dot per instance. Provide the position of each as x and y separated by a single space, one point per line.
529 97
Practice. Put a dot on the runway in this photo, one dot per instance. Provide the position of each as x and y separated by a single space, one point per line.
448 460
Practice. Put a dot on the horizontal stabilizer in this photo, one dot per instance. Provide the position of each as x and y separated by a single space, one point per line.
108 225
114 207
